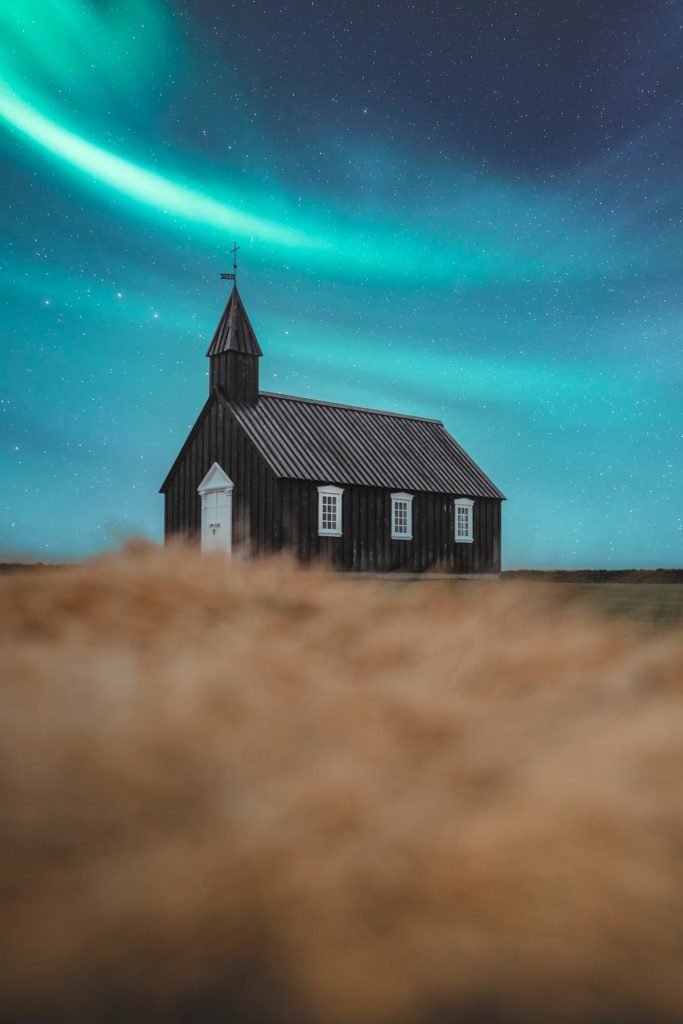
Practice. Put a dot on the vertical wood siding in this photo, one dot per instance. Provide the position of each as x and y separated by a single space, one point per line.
220 439
271 514
237 374
366 543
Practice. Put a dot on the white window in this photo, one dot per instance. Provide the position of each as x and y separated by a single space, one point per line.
464 516
330 511
401 516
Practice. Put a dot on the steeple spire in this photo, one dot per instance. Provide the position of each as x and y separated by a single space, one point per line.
234 353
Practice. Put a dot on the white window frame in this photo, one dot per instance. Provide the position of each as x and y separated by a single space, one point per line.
408 499
330 490
464 503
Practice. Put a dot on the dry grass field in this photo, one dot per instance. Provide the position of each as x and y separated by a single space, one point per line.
248 793
657 604
649 604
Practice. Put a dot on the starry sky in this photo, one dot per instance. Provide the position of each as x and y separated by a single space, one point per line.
470 211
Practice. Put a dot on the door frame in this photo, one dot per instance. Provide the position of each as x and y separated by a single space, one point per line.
216 481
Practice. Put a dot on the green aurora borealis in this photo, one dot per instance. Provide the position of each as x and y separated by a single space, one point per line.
395 252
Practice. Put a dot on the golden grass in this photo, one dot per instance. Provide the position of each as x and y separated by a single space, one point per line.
251 793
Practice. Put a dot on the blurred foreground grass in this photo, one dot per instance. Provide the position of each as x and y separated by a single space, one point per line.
243 792
650 603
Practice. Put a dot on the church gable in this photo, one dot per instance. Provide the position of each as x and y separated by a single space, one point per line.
217 449
197 426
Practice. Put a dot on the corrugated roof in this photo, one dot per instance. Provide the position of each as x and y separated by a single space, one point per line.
234 332
302 439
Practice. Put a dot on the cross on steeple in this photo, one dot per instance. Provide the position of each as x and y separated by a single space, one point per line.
233 276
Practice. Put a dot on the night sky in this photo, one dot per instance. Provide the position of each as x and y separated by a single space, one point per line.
470 211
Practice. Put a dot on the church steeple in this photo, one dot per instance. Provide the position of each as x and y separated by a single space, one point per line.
234 353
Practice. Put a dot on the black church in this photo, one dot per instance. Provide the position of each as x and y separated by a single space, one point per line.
356 489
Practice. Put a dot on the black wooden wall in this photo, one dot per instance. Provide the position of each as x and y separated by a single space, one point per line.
272 515
366 544
219 438
237 374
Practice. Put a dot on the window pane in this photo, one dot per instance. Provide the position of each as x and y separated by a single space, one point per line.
329 512
463 522
400 516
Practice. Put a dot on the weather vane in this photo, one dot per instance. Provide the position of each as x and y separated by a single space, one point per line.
233 276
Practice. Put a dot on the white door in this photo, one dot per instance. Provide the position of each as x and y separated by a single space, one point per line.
217 521
215 492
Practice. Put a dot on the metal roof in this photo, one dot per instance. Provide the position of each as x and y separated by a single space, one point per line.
303 439
234 332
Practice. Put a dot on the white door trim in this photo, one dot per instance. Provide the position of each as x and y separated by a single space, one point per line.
215 492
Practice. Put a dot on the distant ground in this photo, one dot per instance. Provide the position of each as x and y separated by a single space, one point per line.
619 592
20 566
597 575
542 575
659 604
